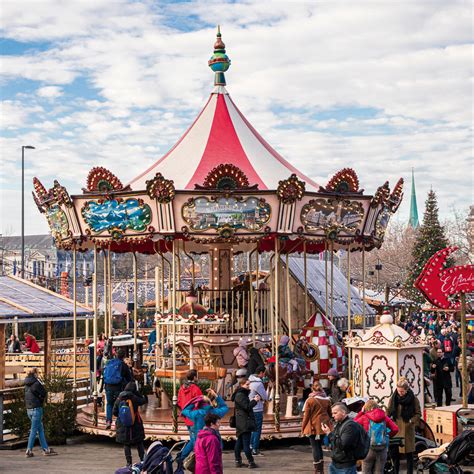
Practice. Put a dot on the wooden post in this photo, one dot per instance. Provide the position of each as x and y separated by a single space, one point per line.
464 378
2 355
48 344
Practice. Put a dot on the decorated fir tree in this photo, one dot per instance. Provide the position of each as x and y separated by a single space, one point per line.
430 237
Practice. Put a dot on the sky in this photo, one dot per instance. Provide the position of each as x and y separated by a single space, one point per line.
379 86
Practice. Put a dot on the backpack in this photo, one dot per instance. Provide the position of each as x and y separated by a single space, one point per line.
361 448
126 413
448 345
377 435
113 372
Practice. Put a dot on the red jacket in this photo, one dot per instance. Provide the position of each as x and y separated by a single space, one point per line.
377 415
187 391
208 452
32 345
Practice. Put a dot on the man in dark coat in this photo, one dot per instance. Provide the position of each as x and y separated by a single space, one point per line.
256 362
245 422
35 395
343 439
441 370
130 435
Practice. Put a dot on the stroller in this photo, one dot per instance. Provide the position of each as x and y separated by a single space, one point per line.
450 456
158 460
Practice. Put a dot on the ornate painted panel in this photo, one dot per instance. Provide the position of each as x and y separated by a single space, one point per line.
332 214
117 215
379 379
205 213
58 222
357 374
411 369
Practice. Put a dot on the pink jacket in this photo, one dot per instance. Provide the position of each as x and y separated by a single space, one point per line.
208 452
377 415
242 356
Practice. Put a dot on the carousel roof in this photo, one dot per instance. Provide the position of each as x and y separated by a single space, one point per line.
221 135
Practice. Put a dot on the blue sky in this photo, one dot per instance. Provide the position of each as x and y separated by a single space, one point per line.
378 86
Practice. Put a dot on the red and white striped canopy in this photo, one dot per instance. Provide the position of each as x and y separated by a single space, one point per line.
221 135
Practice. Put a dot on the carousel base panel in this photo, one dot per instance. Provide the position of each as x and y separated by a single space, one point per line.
158 424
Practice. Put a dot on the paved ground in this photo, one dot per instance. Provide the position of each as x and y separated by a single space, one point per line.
84 455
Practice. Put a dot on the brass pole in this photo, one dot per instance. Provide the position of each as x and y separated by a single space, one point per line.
74 312
175 398
157 303
288 296
464 378
135 302
259 297
86 335
349 314
363 288
94 329
305 282
277 379
104 302
251 299
127 292
332 282
326 275
109 275
270 310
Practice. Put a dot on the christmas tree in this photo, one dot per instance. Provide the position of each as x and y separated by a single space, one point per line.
430 237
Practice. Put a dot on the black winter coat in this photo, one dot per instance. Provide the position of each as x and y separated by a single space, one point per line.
136 433
35 393
442 378
344 437
244 417
255 362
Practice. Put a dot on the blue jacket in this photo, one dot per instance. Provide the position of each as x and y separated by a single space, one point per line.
197 415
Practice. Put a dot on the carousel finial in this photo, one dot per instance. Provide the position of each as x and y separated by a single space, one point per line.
219 61
386 317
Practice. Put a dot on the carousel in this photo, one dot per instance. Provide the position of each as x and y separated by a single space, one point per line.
221 191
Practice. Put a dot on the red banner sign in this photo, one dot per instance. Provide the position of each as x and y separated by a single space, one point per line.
440 284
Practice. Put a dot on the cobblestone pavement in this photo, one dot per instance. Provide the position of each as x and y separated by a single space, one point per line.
104 456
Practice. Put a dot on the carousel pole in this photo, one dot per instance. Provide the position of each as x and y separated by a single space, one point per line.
349 314
157 304
106 326
259 297
270 304
326 274
363 287
305 282
173 308
332 282
86 302
464 378
276 407
135 302
109 278
94 330
74 313
288 296
251 295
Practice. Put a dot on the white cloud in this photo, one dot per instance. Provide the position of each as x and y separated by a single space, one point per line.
50 92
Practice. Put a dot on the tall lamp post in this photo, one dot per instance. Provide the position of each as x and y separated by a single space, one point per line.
27 147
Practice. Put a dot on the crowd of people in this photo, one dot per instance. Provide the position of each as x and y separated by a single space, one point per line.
15 346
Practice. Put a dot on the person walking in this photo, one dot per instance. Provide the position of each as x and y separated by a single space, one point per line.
344 439
208 447
35 395
257 388
116 376
404 409
441 369
245 423
129 425
316 412
188 390
379 427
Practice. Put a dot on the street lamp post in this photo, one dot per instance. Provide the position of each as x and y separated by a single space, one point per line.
27 147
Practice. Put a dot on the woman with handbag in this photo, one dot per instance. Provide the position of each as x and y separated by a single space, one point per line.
244 422
316 411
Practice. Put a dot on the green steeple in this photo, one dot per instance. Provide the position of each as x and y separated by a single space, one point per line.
413 220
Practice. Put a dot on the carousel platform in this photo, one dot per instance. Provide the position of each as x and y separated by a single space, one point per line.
158 424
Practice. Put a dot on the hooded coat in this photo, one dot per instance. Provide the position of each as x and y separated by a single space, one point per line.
257 388
244 417
256 362
377 415
208 452
187 392
35 393
317 410
241 354
136 433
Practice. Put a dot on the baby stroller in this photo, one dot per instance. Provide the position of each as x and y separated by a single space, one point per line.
450 456
158 460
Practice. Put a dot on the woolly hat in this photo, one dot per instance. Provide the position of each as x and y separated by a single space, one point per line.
260 345
241 373
333 372
284 340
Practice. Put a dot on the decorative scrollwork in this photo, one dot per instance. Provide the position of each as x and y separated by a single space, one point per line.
60 194
40 190
381 195
102 180
161 189
396 197
344 181
291 190
226 176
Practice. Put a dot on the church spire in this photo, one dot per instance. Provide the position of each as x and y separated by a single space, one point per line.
413 219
